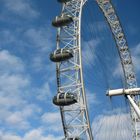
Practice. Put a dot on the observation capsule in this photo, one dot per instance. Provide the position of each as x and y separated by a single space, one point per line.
61 55
65 99
63 1
63 20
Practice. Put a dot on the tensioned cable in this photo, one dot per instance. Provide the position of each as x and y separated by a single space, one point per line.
91 28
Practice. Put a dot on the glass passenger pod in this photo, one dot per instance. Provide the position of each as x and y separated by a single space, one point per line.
62 20
65 99
61 55
63 1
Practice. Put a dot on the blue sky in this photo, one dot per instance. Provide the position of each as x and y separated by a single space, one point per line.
27 77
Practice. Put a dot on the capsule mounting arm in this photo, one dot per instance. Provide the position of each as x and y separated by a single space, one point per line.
116 92
127 92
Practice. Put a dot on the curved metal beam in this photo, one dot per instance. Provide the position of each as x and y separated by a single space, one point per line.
125 56
75 117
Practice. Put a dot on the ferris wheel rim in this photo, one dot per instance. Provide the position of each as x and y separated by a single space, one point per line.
130 83
82 98
129 76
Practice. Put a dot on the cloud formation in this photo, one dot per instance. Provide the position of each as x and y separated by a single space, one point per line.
22 8
112 126
35 134
14 82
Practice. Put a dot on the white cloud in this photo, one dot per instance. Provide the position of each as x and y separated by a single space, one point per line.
10 63
91 98
112 126
16 121
23 8
53 120
13 39
100 26
39 64
8 136
136 57
15 110
35 134
44 92
6 37
135 54
12 76
12 84
20 118
88 52
51 117
117 70
39 38
97 26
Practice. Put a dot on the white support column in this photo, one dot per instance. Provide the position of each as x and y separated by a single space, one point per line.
127 92
134 105
116 92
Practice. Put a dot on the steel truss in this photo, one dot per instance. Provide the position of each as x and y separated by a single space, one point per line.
75 117
125 56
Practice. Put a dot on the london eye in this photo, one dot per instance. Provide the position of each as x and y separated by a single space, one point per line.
71 95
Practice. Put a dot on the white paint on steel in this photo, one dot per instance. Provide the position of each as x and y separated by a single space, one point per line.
75 117
127 92
125 56
134 105
116 92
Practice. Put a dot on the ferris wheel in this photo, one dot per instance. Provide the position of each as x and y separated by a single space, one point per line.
71 96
